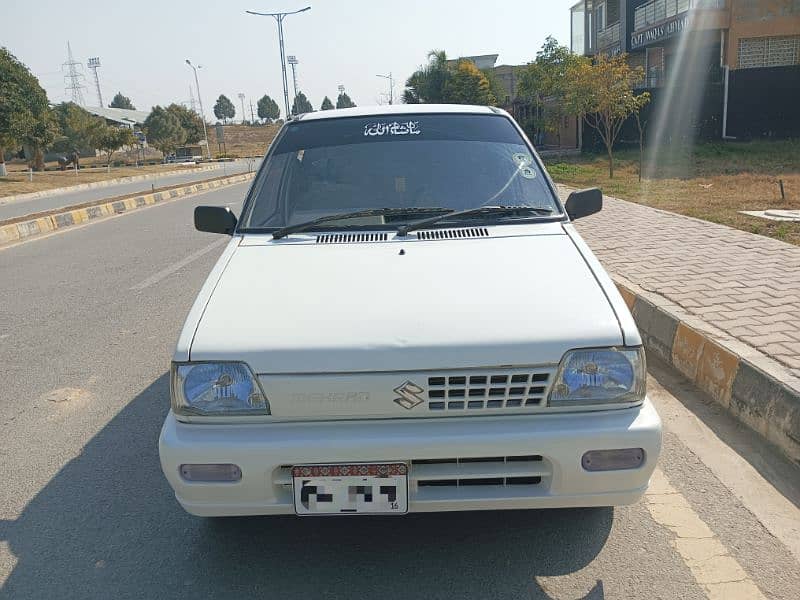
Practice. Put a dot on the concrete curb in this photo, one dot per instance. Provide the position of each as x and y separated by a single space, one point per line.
30 226
756 389
100 184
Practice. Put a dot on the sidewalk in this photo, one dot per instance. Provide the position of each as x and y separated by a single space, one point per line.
701 283
747 285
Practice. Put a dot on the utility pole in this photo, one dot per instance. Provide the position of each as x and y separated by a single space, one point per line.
292 60
200 98
252 114
241 99
93 64
279 17
73 78
391 86
192 102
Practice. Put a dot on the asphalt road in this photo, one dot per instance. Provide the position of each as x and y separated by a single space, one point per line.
88 320
16 208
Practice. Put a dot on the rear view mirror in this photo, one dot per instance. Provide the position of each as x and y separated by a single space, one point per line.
214 219
584 203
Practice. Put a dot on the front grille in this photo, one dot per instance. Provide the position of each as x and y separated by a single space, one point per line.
483 471
351 238
453 234
489 390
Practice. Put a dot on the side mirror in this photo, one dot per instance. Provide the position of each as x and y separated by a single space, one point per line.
584 203
214 219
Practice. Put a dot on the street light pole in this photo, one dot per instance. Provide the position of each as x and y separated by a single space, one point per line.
292 60
241 99
279 17
200 98
391 86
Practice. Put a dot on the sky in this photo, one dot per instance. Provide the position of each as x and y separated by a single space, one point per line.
143 45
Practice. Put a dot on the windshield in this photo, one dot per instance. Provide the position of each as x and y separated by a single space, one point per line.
455 162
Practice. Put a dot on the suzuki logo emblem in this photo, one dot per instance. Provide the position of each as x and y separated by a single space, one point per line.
409 395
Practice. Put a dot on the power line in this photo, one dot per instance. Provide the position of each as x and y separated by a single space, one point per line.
73 78
93 64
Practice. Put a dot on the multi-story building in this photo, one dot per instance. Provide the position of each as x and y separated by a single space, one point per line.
745 54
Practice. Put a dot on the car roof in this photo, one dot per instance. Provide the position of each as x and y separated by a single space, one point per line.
400 109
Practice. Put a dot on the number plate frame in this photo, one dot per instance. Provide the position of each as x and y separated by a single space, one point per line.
350 489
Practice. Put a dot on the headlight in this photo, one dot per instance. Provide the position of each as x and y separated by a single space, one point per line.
600 376
216 388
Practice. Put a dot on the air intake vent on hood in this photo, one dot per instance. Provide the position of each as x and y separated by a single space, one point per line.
453 234
351 238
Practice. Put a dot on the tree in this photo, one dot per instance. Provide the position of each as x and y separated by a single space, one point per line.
301 104
224 108
190 121
467 85
641 125
344 101
602 93
113 138
542 82
25 115
427 84
497 89
268 109
326 104
164 130
121 101
79 128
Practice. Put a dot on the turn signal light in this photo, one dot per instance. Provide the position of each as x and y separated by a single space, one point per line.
223 473
613 460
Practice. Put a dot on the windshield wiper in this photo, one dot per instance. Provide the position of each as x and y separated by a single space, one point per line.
370 212
405 229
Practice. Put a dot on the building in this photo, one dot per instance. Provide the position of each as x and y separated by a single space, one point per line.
508 77
729 68
119 116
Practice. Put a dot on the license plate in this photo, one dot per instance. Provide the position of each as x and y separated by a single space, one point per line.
351 489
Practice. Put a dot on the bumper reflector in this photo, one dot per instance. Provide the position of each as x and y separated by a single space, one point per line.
224 473
613 460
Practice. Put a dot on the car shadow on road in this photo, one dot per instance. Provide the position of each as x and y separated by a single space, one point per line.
763 456
107 526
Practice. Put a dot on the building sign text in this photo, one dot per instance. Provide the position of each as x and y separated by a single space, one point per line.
659 32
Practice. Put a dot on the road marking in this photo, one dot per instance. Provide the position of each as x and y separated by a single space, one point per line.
767 485
714 569
167 271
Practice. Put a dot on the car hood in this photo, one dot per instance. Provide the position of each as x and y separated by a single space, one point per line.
416 305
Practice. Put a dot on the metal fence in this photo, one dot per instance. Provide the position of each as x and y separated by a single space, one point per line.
659 10
608 36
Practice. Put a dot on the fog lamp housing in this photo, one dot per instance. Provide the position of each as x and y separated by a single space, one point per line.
613 460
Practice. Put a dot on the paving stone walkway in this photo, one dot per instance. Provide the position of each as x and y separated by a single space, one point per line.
744 284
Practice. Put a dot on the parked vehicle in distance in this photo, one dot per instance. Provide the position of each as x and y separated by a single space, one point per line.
406 320
186 154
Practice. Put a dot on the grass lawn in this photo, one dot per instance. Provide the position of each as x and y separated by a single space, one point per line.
17 181
712 182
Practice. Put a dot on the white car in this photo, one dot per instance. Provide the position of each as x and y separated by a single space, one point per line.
406 320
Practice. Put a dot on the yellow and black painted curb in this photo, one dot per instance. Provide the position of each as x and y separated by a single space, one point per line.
26 227
756 389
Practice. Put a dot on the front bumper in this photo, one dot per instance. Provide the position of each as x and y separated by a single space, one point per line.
558 441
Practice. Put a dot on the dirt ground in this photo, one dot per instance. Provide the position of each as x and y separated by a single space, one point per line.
242 140
711 182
